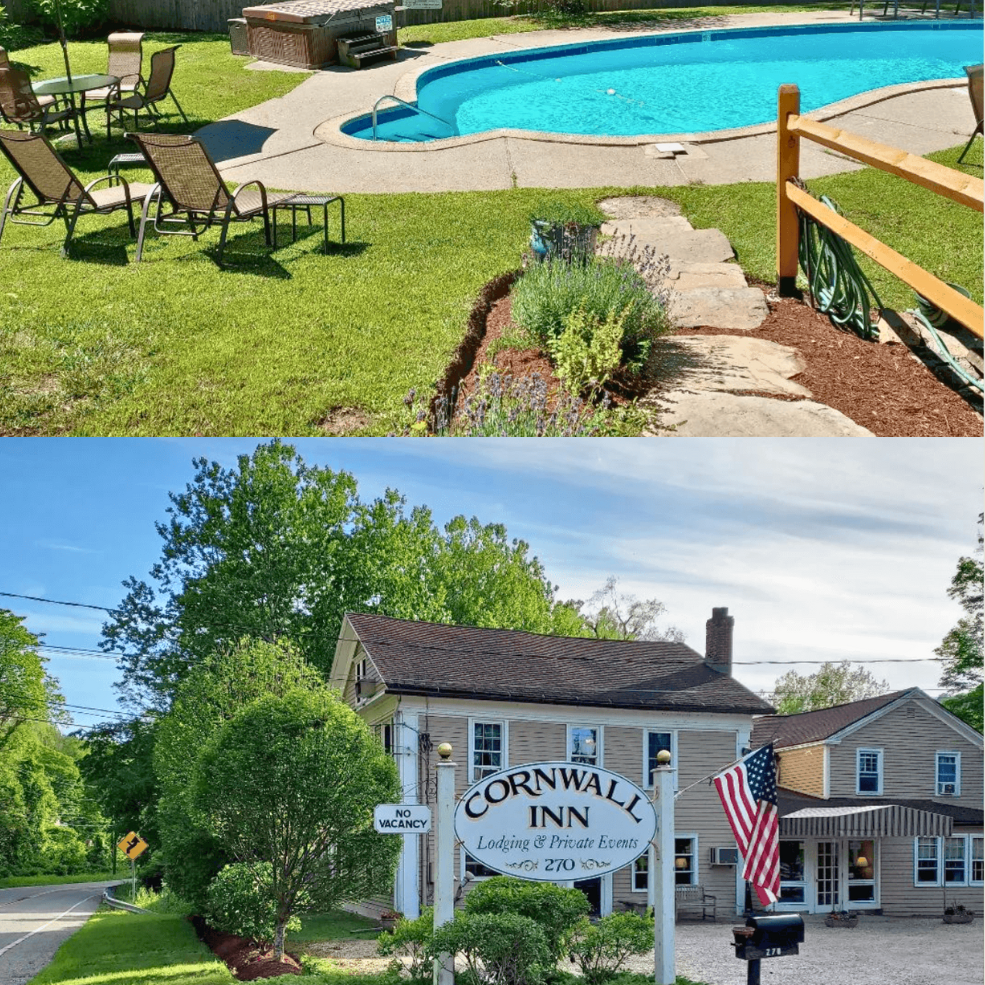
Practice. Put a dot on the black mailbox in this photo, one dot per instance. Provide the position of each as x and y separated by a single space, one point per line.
770 936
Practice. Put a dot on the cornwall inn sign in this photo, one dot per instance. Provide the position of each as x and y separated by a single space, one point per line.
555 821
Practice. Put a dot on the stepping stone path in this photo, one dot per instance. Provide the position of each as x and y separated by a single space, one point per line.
717 379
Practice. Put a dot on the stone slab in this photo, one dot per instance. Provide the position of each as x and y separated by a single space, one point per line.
646 227
737 308
724 363
693 276
692 246
726 415
639 206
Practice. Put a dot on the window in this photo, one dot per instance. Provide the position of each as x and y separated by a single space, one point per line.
792 883
954 860
925 857
488 753
584 745
657 742
384 732
861 871
685 861
869 771
641 874
476 869
977 869
362 687
948 774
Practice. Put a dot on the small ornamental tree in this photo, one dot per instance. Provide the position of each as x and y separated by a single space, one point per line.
291 783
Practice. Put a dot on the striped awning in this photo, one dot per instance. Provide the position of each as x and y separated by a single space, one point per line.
868 821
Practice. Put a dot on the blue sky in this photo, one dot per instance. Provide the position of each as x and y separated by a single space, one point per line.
822 549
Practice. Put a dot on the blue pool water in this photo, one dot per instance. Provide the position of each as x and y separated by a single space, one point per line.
674 83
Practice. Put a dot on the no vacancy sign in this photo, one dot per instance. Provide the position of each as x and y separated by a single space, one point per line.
402 819
555 821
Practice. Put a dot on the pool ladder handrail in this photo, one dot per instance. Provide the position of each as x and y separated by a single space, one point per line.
403 102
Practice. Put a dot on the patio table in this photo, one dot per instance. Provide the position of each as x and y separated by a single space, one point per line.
305 202
64 86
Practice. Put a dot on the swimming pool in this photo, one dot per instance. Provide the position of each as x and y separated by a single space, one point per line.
685 82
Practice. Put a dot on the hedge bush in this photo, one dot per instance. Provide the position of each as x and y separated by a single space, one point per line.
601 949
498 948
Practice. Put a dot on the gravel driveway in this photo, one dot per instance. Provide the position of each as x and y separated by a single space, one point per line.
879 951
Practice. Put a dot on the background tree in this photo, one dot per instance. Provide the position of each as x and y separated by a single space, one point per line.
275 549
291 783
833 684
613 615
213 693
960 651
27 692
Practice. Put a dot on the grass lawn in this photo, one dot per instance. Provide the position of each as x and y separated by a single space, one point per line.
98 345
15 882
335 925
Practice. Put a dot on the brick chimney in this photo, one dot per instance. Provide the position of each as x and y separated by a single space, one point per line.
718 641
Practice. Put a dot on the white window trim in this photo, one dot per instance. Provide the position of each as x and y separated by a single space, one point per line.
858 770
632 874
968 858
600 741
648 780
696 871
941 864
461 867
957 772
506 747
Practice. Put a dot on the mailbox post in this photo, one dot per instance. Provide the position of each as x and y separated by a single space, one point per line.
772 936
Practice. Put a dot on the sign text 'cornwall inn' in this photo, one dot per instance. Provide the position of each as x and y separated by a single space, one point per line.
555 821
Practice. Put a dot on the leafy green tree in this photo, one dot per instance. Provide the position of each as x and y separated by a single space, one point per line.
613 615
27 692
291 783
213 693
275 549
960 651
833 684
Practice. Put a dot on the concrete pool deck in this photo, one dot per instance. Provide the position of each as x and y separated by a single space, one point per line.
293 142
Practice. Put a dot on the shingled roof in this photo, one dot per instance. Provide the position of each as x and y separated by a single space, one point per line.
501 664
815 726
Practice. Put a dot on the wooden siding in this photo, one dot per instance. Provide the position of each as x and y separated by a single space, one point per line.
910 743
803 770
622 752
535 742
900 897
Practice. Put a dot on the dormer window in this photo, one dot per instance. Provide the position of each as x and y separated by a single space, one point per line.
361 681
948 774
869 763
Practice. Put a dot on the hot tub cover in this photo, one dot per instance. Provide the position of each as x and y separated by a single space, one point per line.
312 11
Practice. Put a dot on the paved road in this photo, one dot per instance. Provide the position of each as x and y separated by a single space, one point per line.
35 920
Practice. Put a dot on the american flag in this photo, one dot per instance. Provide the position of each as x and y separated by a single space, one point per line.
748 792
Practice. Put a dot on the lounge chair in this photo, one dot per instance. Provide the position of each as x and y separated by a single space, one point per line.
974 73
158 88
20 106
56 186
125 61
190 186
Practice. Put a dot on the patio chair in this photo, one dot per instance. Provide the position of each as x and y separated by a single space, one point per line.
124 61
54 184
189 184
974 73
20 106
158 88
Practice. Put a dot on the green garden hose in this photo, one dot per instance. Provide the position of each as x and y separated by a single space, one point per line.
836 282
942 351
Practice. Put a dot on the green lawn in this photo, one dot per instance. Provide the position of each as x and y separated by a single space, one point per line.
335 925
98 345
14 882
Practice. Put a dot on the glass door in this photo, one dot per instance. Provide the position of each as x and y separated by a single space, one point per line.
827 877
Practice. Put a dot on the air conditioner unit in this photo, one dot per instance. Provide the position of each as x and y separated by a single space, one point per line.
948 788
725 856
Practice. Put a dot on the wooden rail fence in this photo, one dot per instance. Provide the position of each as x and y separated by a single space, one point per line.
955 185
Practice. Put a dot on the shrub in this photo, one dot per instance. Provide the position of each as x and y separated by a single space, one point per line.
587 352
601 949
498 948
79 17
411 939
556 910
239 901
549 292
559 212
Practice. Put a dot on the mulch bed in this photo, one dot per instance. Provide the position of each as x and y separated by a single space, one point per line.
243 958
883 387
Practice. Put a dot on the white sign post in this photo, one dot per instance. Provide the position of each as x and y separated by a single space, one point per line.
661 870
402 819
555 822
444 861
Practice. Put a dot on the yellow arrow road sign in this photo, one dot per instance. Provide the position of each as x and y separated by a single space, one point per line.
132 845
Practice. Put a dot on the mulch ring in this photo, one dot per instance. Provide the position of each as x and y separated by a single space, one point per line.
883 387
243 958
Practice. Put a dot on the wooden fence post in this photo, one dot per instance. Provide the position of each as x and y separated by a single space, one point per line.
787 166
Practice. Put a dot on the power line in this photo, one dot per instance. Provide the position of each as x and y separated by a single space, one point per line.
35 598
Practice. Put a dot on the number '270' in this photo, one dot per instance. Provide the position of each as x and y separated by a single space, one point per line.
559 864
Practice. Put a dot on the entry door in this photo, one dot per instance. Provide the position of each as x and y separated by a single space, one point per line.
827 877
